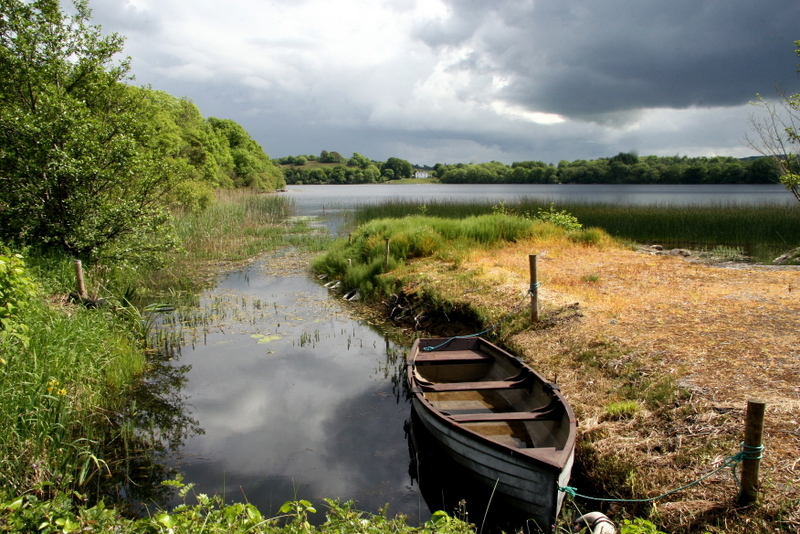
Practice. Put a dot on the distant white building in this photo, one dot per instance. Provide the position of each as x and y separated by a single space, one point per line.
421 174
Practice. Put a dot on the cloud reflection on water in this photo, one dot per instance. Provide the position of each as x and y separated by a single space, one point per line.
309 415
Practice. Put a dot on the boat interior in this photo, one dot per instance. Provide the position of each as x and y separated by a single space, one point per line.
493 394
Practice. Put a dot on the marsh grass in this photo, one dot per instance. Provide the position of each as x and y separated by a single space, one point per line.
361 260
54 391
761 232
238 226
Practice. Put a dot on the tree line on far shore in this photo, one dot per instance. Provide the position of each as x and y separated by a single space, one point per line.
624 168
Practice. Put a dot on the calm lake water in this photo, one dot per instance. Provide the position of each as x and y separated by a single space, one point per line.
299 399
331 200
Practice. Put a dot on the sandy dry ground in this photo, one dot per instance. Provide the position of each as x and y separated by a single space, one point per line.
725 333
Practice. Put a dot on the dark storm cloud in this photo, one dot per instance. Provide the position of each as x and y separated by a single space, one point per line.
468 80
585 59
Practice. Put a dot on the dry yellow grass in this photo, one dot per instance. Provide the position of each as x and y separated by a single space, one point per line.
724 334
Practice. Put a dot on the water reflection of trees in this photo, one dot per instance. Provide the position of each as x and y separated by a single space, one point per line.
148 427
393 368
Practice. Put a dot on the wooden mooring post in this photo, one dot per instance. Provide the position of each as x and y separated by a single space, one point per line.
79 278
752 447
534 290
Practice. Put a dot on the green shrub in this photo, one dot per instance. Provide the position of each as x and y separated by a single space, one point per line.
193 196
17 290
561 218
16 287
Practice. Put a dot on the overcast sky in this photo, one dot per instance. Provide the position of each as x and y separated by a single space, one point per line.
469 80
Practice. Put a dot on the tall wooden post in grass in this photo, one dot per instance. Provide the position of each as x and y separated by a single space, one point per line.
534 290
79 279
753 431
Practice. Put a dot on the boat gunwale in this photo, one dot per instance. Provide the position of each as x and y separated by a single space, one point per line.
548 457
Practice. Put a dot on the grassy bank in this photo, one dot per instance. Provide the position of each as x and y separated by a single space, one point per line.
762 232
657 356
366 259
62 372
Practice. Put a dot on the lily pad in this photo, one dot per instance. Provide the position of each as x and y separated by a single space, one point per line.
265 338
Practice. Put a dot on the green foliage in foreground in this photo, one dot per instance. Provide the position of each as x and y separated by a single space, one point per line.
211 515
360 260
58 381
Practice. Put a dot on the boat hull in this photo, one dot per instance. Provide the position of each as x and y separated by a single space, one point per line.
525 476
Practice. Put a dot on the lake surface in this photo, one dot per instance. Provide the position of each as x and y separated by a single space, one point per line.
331 200
296 397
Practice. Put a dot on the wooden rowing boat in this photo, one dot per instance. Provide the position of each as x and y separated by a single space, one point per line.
494 415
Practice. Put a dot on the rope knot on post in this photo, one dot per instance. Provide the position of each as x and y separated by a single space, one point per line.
750 452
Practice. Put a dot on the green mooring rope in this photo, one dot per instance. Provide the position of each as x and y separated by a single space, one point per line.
747 452
498 323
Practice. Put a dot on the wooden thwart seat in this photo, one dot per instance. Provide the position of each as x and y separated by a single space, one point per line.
511 416
525 381
551 412
451 357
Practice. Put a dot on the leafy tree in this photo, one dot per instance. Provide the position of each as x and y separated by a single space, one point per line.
627 158
250 166
80 165
400 168
359 161
779 135
372 174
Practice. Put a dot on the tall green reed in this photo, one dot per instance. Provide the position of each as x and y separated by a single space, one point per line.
55 392
762 231
239 225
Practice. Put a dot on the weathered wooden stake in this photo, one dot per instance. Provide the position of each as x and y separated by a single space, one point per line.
386 260
534 289
753 431
79 277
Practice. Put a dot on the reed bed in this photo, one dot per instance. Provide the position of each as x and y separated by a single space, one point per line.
239 225
759 231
